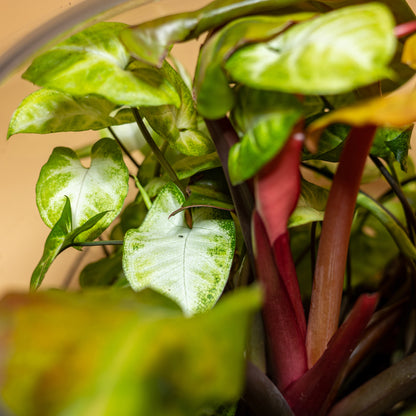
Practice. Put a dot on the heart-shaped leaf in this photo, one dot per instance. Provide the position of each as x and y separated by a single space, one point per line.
214 96
100 188
50 111
95 61
179 126
356 43
115 352
190 265
266 119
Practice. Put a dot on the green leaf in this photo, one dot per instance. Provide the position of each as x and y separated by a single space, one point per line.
50 111
266 120
333 53
311 205
179 126
151 41
100 188
103 272
189 265
189 166
398 234
204 196
61 236
95 61
114 352
214 96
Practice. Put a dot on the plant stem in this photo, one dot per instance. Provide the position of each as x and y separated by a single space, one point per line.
156 151
143 192
408 211
124 148
333 246
99 243
224 137
382 392
405 29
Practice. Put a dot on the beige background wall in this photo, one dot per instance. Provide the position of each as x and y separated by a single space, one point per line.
22 233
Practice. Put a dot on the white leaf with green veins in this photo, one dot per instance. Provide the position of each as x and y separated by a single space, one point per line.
333 53
101 187
95 61
191 266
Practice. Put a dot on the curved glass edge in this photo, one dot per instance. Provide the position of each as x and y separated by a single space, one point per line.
74 19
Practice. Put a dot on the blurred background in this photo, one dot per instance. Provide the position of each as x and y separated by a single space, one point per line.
21 158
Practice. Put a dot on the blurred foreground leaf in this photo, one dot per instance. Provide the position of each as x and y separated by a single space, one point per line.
110 352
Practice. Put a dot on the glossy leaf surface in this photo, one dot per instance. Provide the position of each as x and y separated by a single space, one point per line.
356 43
179 126
214 96
100 188
266 120
189 265
94 61
130 354
151 41
50 111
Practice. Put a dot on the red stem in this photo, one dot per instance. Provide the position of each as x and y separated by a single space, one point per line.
312 394
333 246
285 339
405 29
277 189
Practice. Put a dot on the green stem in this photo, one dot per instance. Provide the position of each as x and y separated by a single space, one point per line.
395 186
124 148
99 243
156 151
143 192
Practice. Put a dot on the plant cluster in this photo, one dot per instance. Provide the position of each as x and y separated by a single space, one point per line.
235 282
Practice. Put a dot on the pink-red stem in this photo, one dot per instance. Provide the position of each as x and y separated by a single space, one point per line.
333 246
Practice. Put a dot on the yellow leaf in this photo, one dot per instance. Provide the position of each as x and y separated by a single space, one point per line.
394 110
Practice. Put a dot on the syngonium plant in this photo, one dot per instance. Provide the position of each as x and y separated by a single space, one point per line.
248 199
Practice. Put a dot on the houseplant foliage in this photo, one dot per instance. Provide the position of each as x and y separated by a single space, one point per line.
234 282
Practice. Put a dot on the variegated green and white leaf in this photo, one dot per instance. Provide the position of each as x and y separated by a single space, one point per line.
188 265
95 61
333 53
50 111
179 126
101 187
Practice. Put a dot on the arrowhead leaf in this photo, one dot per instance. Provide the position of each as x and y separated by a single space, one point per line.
189 265
95 61
356 43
